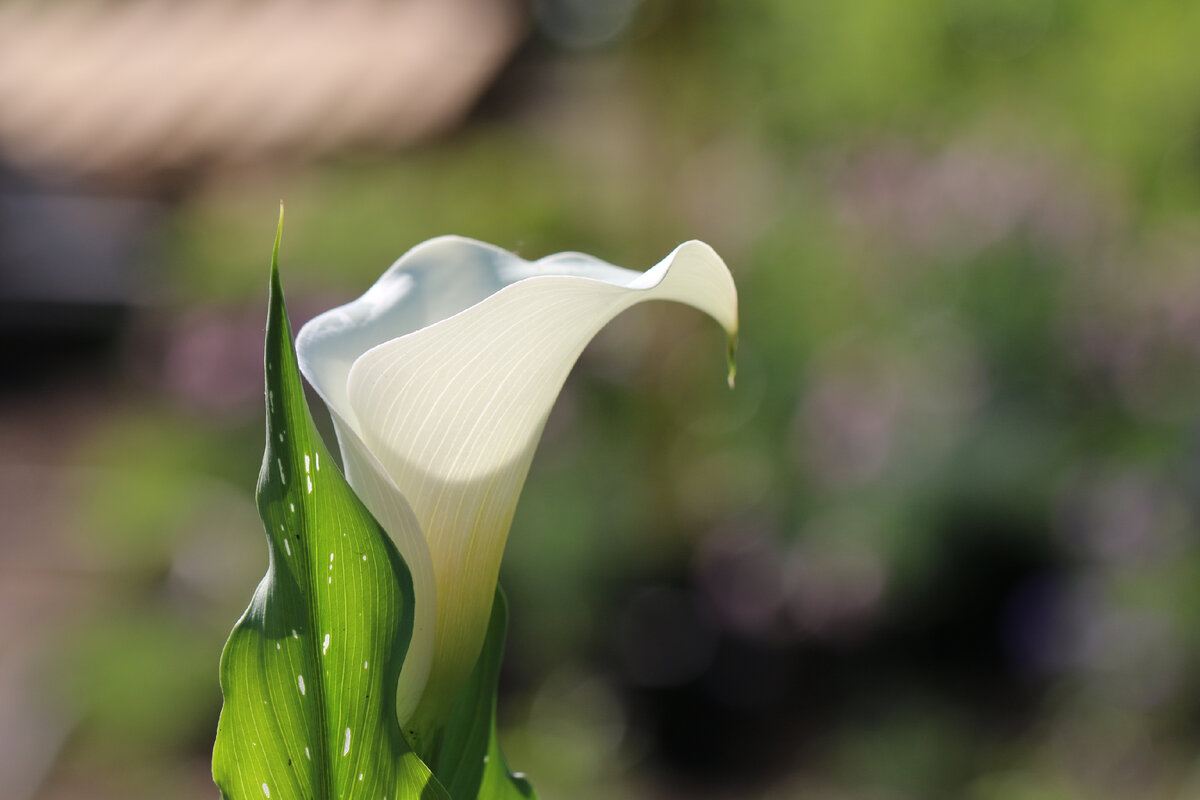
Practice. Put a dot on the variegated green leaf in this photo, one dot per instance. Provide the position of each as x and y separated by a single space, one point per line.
309 673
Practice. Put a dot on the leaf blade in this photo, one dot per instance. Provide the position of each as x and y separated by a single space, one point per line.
468 760
309 672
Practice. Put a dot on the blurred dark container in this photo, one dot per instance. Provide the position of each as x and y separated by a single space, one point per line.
72 267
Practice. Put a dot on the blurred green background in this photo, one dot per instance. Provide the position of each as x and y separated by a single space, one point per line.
941 542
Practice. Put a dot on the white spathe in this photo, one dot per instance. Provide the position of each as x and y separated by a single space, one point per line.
439 380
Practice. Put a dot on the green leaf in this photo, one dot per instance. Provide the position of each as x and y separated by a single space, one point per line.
468 760
309 672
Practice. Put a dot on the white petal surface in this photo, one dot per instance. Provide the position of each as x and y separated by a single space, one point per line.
434 280
446 371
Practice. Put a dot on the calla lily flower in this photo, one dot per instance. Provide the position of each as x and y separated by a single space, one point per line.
439 381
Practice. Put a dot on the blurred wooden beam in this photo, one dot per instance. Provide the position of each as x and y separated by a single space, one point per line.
101 86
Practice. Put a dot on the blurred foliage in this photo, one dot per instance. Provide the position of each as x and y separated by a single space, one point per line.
940 542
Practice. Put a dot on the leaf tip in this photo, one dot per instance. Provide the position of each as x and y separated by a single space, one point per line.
278 239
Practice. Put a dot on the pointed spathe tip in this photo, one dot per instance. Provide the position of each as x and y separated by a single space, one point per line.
731 357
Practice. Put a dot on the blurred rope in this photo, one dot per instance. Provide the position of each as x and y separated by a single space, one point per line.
99 86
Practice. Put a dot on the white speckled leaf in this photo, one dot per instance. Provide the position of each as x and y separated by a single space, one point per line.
309 673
